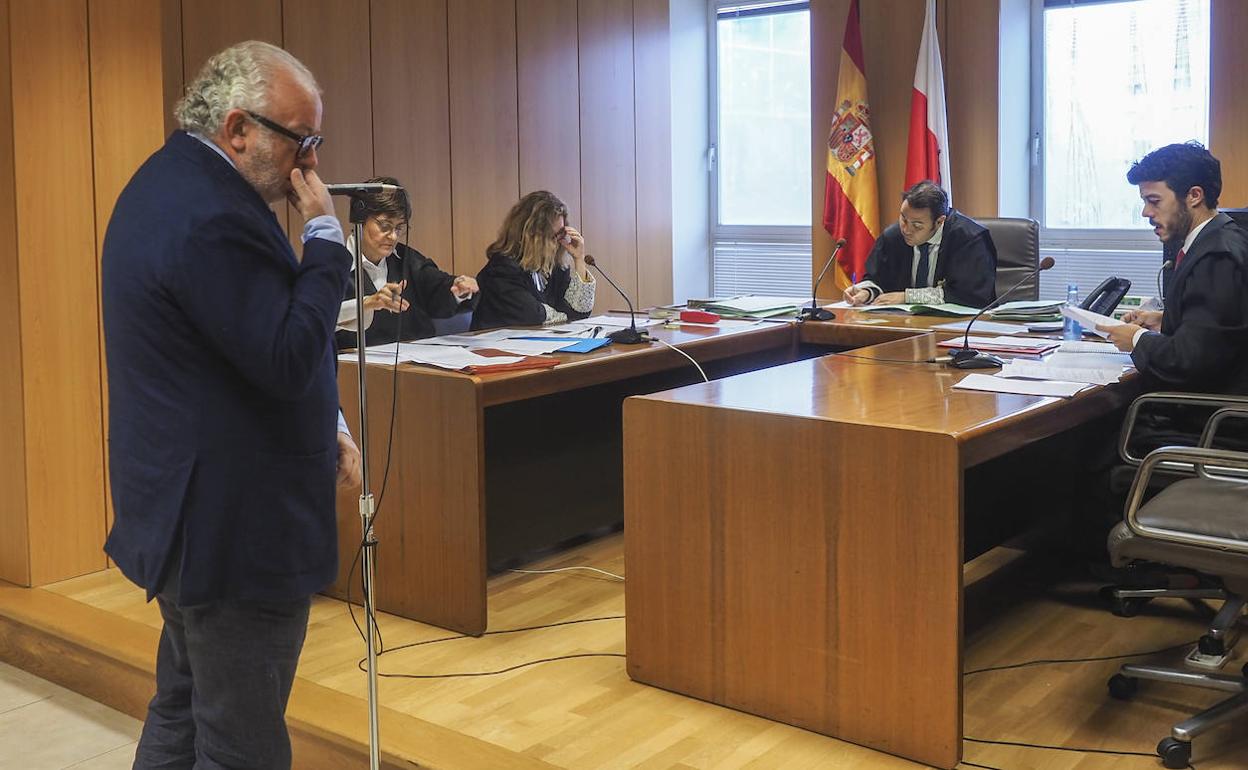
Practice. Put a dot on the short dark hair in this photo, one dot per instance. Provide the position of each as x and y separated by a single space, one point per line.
1181 167
394 204
928 195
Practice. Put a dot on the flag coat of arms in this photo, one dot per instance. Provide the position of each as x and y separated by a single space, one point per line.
851 199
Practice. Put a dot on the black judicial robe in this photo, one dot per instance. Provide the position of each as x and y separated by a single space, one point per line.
966 263
509 297
1203 344
428 294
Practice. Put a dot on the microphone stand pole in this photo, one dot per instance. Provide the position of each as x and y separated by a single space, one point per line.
367 506
814 312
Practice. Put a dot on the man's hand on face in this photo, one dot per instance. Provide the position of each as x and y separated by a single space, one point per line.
309 194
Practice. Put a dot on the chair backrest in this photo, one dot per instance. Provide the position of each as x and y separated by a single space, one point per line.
456 324
1018 252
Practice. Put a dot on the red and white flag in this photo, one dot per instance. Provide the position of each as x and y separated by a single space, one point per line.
928 152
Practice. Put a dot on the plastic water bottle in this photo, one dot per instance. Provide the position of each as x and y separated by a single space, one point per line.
1071 330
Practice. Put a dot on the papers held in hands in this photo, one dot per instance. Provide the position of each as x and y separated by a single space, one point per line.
1089 320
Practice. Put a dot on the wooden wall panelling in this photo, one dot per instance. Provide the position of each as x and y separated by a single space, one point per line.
608 143
973 103
127 115
14 545
653 108
171 50
331 37
1228 110
549 100
891 30
411 115
827 33
60 335
210 25
485 177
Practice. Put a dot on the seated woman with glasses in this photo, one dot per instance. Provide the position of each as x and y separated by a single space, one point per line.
536 271
398 279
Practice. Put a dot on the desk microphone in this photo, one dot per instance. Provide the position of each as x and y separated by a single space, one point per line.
814 312
970 358
629 336
362 188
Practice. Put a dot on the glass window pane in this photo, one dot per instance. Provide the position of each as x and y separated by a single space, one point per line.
1120 79
764 119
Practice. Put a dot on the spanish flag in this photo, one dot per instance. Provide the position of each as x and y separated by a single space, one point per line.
851 206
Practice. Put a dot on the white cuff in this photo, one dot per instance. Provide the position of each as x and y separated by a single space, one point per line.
1136 339
347 319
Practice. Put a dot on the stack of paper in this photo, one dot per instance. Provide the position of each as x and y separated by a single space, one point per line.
1028 310
752 306
442 356
947 308
1024 346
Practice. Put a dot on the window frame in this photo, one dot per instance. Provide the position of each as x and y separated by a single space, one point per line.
796 235
1055 238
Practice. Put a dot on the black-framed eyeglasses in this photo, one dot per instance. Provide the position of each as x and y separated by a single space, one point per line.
307 143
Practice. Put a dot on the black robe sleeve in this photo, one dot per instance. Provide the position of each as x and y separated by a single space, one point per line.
1212 332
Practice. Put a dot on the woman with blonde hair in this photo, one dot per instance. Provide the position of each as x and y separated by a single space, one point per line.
536 272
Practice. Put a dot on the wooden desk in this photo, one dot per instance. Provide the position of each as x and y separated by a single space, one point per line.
474 455
794 538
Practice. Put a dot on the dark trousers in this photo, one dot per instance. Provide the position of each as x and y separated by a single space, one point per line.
223 676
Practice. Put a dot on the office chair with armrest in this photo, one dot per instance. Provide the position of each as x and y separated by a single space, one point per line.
1018 252
1199 523
1141 582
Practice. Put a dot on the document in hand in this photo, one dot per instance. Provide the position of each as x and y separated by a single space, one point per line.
1089 320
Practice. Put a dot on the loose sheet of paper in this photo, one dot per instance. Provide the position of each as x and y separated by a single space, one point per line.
618 321
443 356
993 327
1045 370
991 384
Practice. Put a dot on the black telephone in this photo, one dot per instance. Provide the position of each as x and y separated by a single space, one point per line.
1105 298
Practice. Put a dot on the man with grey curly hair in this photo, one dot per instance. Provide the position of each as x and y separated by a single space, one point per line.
225 439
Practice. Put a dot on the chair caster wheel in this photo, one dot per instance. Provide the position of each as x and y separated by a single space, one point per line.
1174 754
1123 687
1210 646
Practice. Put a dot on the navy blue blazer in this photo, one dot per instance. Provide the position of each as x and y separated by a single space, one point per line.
223 396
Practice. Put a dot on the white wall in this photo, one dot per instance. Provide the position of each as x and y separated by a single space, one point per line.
691 246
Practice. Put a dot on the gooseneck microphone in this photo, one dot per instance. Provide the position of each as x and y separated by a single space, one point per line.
970 358
362 188
1161 293
814 312
629 336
